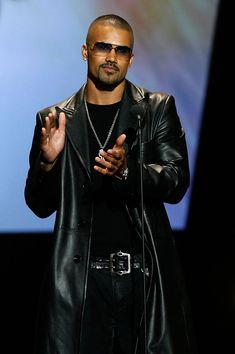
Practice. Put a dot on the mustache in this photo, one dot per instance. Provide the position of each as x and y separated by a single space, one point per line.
110 65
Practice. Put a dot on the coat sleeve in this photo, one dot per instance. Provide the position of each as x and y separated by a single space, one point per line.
165 158
41 188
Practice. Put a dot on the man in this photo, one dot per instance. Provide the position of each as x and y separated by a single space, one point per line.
107 290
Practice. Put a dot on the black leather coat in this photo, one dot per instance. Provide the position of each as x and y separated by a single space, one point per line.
64 188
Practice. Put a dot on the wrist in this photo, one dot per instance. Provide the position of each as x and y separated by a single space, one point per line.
45 164
45 161
123 174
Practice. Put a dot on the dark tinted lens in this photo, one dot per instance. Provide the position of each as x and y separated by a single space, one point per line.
122 50
102 47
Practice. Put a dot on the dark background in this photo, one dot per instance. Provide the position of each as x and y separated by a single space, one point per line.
206 247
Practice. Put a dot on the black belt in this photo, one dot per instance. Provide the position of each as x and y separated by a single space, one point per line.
119 263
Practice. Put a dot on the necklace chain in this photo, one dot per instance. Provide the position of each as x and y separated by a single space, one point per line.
102 147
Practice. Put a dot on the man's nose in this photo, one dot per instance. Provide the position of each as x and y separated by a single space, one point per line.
111 56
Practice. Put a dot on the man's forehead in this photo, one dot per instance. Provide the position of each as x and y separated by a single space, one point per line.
103 32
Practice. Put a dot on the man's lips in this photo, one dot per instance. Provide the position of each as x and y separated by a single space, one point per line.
110 68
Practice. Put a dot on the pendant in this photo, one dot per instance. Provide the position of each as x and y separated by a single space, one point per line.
101 157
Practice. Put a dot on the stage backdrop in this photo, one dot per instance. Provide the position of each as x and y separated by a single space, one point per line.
41 64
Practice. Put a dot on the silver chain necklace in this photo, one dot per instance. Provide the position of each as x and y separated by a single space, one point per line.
102 147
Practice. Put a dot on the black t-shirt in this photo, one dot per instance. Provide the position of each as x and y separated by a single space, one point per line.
111 228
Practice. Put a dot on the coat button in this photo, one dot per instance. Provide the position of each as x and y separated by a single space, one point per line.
85 187
82 223
77 258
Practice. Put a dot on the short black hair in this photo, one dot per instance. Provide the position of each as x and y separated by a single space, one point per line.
113 20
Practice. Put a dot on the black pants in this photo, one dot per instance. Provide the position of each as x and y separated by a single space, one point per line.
114 305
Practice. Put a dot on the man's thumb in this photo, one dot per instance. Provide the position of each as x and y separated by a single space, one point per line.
121 139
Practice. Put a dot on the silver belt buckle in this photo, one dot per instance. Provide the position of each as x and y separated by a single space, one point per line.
127 256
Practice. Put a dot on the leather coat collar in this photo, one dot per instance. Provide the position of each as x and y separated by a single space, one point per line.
77 124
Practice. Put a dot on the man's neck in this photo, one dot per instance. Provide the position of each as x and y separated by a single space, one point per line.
104 97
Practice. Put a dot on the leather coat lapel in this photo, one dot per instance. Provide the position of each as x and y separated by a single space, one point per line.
132 105
127 121
77 132
77 129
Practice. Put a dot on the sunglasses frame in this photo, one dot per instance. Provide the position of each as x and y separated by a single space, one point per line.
121 51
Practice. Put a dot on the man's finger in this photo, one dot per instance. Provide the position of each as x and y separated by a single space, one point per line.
120 140
62 121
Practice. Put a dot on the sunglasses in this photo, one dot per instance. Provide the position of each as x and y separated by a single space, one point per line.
102 48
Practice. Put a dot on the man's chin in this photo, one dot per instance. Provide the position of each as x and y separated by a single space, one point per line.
106 82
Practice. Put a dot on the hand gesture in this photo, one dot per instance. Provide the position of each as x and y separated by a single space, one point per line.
112 162
53 136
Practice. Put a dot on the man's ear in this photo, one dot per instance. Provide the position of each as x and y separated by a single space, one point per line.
131 60
84 52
